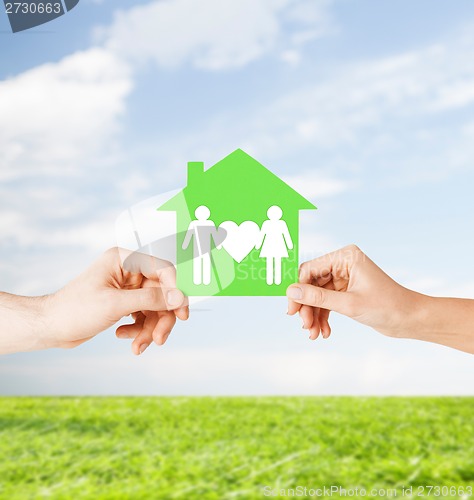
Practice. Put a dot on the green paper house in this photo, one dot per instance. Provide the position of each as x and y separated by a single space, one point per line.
237 229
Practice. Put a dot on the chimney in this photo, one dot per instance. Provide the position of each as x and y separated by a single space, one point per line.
195 170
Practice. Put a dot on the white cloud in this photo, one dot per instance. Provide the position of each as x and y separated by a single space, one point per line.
426 284
314 186
62 119
59 116
358 98
454 95
49 251
465 290
291 57
313 243
448 289
363 116
428 370
58 131
436 285
212 34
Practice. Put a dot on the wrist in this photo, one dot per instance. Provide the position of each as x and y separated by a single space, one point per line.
419 316
25 319
50 314
44 310
412 309
426 319
37 319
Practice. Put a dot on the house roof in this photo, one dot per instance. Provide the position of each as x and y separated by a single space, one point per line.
239 179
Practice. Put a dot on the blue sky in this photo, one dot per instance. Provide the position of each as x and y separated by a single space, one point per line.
366 108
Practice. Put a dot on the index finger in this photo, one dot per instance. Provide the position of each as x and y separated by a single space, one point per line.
320 271
149 266
294 307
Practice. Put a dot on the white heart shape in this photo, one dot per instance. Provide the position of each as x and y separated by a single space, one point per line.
239 240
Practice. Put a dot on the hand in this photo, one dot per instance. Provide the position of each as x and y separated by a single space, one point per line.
120 283
348 282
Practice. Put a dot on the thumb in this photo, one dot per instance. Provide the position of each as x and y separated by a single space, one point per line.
149 299
315 296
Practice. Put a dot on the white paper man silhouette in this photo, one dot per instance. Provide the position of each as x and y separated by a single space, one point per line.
203 231
275 240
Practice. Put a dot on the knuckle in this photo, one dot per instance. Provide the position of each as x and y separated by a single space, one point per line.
160 269
347 257
166 267
111 253
304 271
353 248
152 296
316 296
164 264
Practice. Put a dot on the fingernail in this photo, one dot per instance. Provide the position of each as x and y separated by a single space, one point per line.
295 293
302 326
175 297
142 348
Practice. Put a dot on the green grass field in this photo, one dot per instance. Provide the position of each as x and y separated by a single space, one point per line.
218 448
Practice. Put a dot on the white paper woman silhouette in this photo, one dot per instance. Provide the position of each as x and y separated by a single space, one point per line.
203 231
275 241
